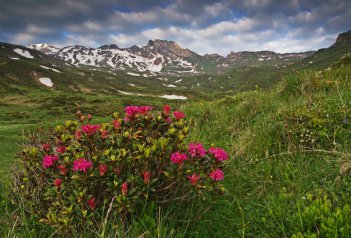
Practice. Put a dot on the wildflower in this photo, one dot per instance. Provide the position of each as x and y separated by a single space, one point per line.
194 178
57 183
46 147
102 169
92 203
116 124
178 115
82 165
49 160
133 110
90 117
104 134
143 110
82 118
90 129
61 149
178 158
166 109
147 176
196 149
217 175
62 168
219 153
124 188
77 135
168 120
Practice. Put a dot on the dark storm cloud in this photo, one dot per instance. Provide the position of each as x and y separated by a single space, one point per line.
202 25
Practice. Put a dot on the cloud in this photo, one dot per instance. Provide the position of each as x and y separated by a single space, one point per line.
205 26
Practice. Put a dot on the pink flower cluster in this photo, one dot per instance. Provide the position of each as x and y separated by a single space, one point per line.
49 160
217 175
46 147
61 149
57 183
194 178
82 164
178 158
133 110
166 109
147 176
196 149
90 129
178 115
219 153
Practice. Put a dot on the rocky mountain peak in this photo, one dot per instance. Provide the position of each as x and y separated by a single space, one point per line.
344 37
170 47
107 47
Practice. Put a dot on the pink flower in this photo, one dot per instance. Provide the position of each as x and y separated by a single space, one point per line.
178 158
133 110
166 109
143 110
49 160
124 188
90 117
168 120
104 134
147 176
92 203
77 135
217 175
90 129
102 169
57 183
196 149
82 165
62 168
61 149
178 115
219 153
116 124
193 178
46 147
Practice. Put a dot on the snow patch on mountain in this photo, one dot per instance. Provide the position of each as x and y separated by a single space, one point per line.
44 48
48 68
169 85
23 53
46 81
133 74
174 97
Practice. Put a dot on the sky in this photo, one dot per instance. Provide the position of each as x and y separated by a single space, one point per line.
203 26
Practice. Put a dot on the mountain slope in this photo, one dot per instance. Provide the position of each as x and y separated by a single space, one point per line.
324 57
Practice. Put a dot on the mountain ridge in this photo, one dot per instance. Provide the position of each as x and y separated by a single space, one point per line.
163 56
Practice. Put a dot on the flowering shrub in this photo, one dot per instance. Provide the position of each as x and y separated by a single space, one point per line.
84 169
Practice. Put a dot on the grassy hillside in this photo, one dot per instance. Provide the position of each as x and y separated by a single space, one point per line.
289 169
290 147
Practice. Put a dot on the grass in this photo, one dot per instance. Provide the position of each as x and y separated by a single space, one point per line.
271 174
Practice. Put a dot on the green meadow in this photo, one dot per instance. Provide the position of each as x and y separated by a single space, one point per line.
288 173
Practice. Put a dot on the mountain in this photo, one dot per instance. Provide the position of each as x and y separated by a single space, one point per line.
159 68
44 48
324 57
156 56
165 57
